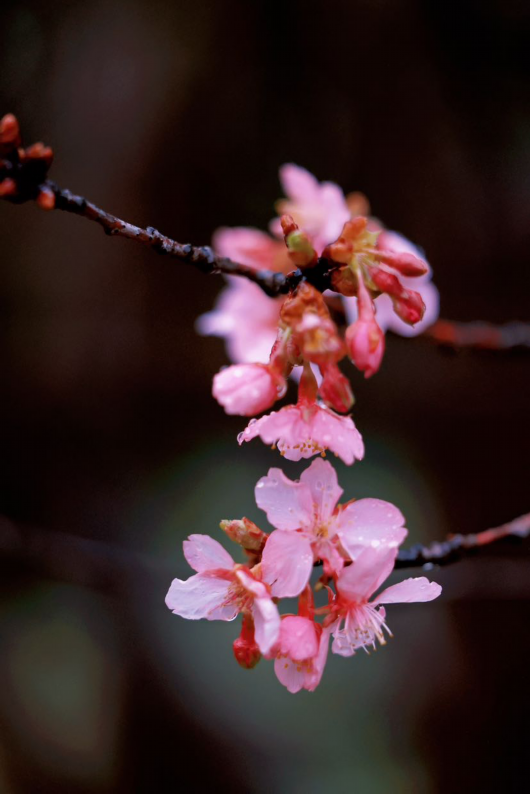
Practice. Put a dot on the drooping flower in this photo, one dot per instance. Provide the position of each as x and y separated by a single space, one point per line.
358 622
220 590
301 653
301 431
306 511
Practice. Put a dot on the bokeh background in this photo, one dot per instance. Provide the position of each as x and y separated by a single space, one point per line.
177 114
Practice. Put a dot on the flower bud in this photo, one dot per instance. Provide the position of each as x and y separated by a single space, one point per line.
335 389
245 532
247 389
245 647
366 345
317 339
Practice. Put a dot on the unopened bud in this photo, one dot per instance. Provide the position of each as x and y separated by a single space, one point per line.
9 132
245 648
366 345
406 264
335 389
245 532
46 199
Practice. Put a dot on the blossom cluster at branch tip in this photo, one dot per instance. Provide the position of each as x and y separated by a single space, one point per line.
357 542
270 339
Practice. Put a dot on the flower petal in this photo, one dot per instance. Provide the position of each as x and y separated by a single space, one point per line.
291 674
298 638
370 522
286 563
409 591
321 478
359 580
204 553
266 624
288 504
201 596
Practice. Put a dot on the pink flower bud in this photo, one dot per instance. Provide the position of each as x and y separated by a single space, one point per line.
335 389
409 306
247 389
245 647
245 532
404 263
366 345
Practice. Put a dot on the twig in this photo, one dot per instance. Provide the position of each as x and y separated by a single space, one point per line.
107 567
480 335
458 546
23 177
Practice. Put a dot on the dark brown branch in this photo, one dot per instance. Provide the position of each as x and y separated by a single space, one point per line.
455 547
106 567
23 177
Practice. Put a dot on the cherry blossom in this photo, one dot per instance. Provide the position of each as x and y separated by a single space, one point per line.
319 208
304 430
301 654
220 590
361 622
305 512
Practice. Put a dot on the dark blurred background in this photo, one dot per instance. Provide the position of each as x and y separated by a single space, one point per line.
177 114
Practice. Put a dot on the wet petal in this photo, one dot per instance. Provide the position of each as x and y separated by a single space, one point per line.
287 563
321 478
266 624
359 580
370 522
201 596
288 504
409 591
204 553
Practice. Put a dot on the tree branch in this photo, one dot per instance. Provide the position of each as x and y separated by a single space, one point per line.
23 178
480 335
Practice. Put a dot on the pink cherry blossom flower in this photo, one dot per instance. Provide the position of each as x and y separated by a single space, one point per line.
363 621
301 654
305 516
247 389
303 430
319 208
220 590
246 318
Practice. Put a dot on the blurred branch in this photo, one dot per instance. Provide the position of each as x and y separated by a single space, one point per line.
480 335
24 177
458 546
107 567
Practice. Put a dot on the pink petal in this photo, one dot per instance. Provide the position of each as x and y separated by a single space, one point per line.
288 504
249 246
266 624
204 553
246 389
298 183
339 434
201 596
319 662
298 638
325 489
287 563
408 591
246 318
291 674
358 581
250 583
370 522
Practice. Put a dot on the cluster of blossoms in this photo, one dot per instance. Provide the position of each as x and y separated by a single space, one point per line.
357 542
271 339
